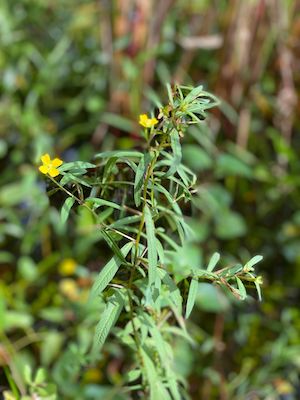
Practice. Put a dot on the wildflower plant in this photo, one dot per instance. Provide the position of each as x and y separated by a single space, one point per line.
138 200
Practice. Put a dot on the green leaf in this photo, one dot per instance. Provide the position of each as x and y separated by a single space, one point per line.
108 272
112 244
40 376
68 177
28 374
203 273
169 240
157 390
65 210
229 165
175 294
150 372
258 290
254 260
170 199
164 351
196 158
193 290
159 342
160 252
230 271
123 222
151 241
241 288
176 148
179 332
213 262
229 225
108 319
52 340
173 385
108 169
170 94
101 203
120 154
118 121
139 178
76 165
194 93
133 375
17 320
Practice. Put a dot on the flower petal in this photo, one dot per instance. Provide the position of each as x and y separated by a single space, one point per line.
53 172
143 120
56 162
44 169
45 158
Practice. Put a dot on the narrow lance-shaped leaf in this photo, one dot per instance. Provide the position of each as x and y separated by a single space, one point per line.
139 178
151 241
175 295
191 297
65 210
100 203
112 244
254 260
177 155
165 354
124 222
108 272
193 94
160 252
157 390
108 319
258 290
241 288
120 154
213 262
68 177
76 165
170 95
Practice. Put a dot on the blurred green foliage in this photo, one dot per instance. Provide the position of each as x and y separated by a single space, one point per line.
74 76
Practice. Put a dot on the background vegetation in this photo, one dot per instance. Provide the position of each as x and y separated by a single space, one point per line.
75 76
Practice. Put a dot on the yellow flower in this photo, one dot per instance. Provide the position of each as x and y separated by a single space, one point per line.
259 280
50 166
147 122
67 267
69 288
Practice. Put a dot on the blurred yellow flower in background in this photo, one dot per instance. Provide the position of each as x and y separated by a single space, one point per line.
147 122
69 289
50 166
67 267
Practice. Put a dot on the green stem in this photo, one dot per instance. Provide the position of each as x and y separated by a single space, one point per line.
138 238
